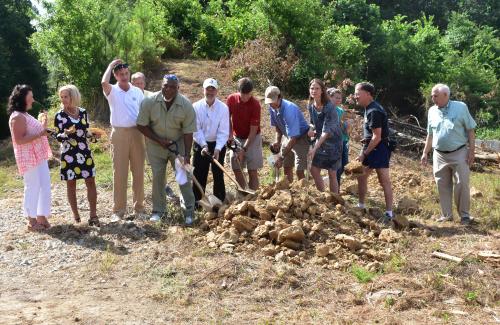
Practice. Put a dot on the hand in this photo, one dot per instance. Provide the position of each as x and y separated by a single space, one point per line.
423 159
311 133
187 161
42 117
205 152
216 154
240 155
279 162
165 143
470 157
115 62
276 146
44 133
361 157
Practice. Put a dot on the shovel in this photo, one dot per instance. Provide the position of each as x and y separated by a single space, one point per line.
238 187
209 203
276 169
235 147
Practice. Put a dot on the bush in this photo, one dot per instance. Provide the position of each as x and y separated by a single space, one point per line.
264 62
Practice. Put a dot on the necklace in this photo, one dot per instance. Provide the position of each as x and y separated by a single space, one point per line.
74 114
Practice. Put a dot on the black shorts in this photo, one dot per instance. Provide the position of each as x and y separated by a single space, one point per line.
379 157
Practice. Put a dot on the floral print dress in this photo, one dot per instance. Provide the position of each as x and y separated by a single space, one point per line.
76 158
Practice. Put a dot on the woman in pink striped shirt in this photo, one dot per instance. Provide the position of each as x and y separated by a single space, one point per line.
32 151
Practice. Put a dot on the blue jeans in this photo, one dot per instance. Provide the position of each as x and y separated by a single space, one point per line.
345 159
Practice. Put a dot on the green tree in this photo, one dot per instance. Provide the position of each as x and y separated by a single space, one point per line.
19 63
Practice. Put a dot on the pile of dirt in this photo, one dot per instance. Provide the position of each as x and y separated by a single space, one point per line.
297 223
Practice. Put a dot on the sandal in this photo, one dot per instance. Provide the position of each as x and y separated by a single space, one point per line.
36 227
94 221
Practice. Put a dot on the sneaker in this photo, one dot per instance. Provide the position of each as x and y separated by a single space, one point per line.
467 221
386 219
189 221
116 217
155 217
444 218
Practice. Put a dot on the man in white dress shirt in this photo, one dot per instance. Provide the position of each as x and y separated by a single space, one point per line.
212 124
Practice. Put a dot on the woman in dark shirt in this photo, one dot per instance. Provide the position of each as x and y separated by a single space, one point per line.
327 150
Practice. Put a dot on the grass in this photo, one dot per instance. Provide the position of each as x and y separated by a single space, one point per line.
395 264
471 297
485 133
362 274
108 260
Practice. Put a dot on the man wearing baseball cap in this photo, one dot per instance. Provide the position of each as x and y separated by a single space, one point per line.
288 121
212 124
168 121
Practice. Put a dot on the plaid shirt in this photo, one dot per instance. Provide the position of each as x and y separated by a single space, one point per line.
30 154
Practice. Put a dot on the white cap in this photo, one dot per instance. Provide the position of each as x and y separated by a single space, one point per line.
210 82
272 94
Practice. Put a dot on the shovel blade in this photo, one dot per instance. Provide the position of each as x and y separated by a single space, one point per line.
206 205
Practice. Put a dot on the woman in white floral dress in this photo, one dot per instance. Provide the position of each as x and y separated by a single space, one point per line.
72 125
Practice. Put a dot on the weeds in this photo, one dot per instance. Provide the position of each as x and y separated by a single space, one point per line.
108 260
395 264
362 274
471 297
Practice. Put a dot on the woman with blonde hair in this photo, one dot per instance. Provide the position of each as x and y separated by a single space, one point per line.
32 151
327 150
72 125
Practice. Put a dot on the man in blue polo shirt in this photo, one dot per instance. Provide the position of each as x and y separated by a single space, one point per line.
375 153
288 121
450 132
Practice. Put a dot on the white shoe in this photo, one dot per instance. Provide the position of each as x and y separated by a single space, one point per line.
155 217
115 217
189 221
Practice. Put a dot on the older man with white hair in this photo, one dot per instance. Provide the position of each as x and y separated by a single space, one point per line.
138 79
450 132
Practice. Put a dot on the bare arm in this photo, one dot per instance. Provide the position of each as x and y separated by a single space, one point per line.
427 149
188 143
374 141
472 146
251 136
18 127
106 86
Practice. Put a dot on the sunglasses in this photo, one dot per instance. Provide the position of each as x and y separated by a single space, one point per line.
120 66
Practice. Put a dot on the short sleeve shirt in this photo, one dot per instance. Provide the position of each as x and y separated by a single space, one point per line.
289 119
170 124
243 115
449 125
327 121
343 126
375 117
124 105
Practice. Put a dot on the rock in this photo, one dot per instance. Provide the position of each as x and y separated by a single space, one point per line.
228 236
352 189
261 231
242 223
389 235
263 242
204 226
241 208
228 248
281 200
294 233
269 250
211 215
374 266
401 221
282 184
407 205
376 213
280 214
382 295
475 193
280 257
291 244
335 198
348 241
8 248
273 235
322 250
354 168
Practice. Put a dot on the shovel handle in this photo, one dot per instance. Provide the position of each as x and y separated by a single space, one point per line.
198 186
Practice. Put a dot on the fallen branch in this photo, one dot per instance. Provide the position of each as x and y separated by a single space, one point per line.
446 257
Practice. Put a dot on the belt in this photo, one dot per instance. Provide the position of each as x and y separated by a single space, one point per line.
442 151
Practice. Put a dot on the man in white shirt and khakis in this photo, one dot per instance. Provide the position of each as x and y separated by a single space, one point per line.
127 142
212 123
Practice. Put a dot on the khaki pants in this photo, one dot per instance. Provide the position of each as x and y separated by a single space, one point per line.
127 148
298 156
159 158
451 173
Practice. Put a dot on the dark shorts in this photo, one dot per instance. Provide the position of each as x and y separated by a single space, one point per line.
325 160
379 157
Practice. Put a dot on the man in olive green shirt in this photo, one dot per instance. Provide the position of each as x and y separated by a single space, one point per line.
164 118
